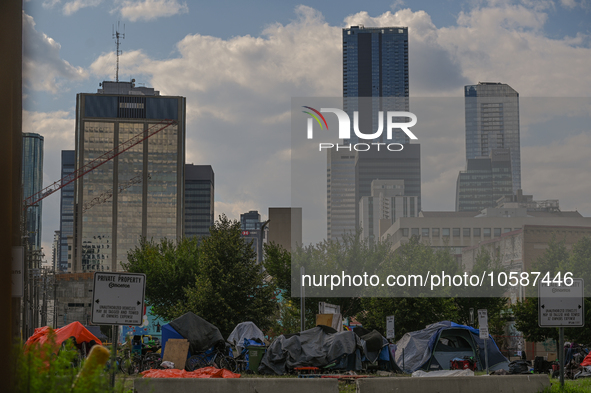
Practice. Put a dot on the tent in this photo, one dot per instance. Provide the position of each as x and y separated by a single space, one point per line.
74 329
435 346
96 331
316 347
245 330
201 334
377 349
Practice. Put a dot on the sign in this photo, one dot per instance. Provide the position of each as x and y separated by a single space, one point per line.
561 305
327 308
390 327
18 266
118 298
245 233
471 316
483 323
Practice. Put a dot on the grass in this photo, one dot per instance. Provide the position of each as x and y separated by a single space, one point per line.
576 386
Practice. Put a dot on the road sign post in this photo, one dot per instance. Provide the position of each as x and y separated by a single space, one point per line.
561 305
483 329
117 299
390 328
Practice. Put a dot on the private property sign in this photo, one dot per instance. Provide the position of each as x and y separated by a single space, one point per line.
561 305
118 298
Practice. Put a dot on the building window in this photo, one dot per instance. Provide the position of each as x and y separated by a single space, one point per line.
486 232
445 232
456 232
466 232
497 232
506 230
476 232
415 232
405 232
425 232
435 232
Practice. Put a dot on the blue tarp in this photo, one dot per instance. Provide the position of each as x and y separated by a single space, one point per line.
168 332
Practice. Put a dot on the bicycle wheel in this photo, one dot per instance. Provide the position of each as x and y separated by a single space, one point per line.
227 362
197 361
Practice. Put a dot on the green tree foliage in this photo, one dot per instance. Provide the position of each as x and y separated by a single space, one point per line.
217 278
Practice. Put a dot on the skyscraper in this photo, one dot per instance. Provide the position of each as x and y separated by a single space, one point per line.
32 184
199 199
492 122
375 64
485 180
253 230
375 78
138 193
66 210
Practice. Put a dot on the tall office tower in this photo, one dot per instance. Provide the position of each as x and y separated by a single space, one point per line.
199 199
386 165
66 210
340 193
32 184
55 250
253 230
285 226
492 122
138 193
386 204
375 76
485 180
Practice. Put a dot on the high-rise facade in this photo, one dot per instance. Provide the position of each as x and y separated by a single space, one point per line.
492 122
340 193
66 210
375 75
32 184
138 193
485 180
285 226
199 199
253 230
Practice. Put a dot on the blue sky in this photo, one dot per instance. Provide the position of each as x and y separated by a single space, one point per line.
239 64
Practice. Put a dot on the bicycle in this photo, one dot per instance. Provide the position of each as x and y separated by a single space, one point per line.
216 358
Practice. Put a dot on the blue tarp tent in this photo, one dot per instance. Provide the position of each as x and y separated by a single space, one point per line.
167 333
432 348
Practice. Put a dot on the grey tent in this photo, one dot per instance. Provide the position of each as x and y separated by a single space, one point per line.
245 330
435 346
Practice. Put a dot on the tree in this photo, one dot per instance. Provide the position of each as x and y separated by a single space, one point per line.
169 268
217 278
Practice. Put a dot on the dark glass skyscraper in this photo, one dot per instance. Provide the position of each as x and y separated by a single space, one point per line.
140 192
66 209
199 199
492 122
485 180
32 183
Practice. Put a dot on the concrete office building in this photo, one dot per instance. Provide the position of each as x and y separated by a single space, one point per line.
199 199
32 178
66 209
285 226
466 229
254 230
340 193
484 181
386 165
492 122
386 204
148 179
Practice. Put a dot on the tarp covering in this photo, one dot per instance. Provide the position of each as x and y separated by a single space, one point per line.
205 372
316 347
75 329
374 342
201 334
245 330
587 360
96 331
417 347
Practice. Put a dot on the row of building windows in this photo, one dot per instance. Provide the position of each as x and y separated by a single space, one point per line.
455 232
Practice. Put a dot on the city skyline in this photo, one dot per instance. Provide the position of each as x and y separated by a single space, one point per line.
233 96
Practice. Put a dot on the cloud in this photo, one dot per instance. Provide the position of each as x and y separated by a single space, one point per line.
570 4
135 10
72 7
43 68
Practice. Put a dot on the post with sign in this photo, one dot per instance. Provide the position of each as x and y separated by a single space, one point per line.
483 328
390 332
118 299
561 305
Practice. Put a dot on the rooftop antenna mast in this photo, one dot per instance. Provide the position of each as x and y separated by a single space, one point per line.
116 36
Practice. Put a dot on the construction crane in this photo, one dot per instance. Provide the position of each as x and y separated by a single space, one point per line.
105 196
92 165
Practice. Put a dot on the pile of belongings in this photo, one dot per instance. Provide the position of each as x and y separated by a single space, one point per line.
519 367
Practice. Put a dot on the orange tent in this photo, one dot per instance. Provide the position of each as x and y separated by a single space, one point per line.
75 329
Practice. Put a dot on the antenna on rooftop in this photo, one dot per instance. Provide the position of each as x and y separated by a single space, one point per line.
116 36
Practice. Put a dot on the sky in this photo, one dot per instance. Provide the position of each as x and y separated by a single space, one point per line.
240 64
